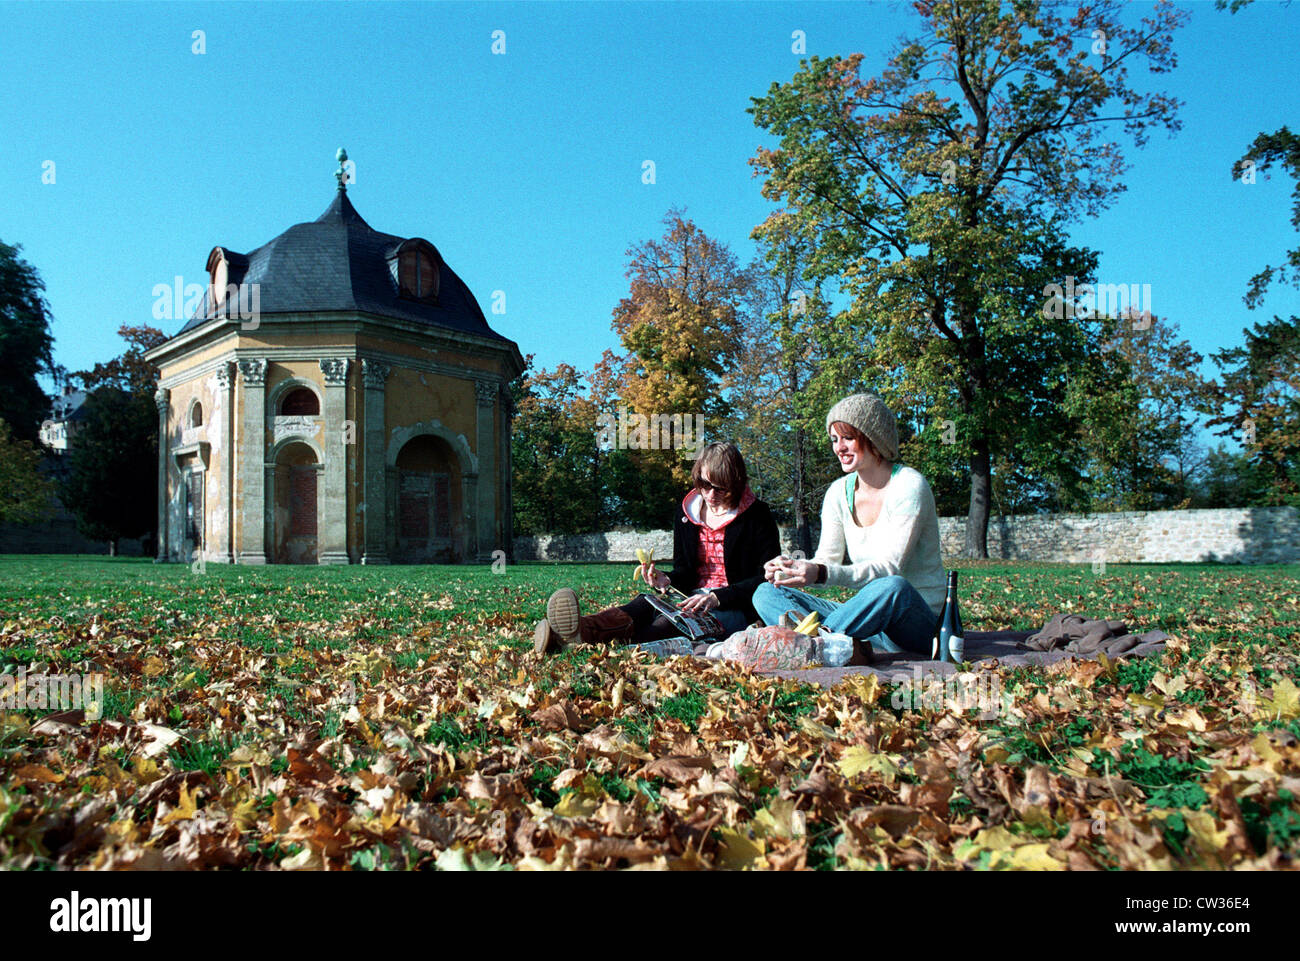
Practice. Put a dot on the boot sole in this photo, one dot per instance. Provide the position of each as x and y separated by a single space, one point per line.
563 614
542 635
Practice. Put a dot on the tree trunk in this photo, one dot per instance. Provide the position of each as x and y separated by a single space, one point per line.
112 547
977 521
802 530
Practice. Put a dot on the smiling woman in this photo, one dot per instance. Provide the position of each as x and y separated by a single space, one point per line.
882 516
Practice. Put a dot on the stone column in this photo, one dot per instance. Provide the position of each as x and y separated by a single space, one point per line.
226 384
373 375
252 457
487 473
332 506
162 400
507 477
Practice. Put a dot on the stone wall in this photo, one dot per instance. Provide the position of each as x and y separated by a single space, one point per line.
1246 535
59 535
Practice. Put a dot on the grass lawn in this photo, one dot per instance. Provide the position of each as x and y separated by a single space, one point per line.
396 717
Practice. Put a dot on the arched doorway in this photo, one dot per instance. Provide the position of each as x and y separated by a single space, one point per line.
429 510
297 477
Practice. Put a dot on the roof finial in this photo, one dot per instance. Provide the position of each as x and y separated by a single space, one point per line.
342 174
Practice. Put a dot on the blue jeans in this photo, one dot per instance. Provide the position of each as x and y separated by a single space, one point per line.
888 606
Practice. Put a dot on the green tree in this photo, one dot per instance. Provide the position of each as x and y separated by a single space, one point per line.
774 420
1137 413
25 495
923 205
1231 479
1257 396
558 481
26 345
112 482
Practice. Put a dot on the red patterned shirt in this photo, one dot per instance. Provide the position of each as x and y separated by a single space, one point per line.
712 570
713 573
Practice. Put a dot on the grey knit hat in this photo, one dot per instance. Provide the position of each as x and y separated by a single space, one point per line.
868 413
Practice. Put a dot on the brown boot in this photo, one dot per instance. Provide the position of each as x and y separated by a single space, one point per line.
564 624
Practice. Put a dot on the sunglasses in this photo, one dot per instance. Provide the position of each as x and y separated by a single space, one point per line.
705 486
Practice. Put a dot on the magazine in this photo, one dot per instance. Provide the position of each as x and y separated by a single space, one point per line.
700 626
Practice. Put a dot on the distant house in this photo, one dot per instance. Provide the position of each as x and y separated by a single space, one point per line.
65 415
338 398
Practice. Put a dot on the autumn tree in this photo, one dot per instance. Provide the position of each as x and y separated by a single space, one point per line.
680 325
129 370
26 344
924 188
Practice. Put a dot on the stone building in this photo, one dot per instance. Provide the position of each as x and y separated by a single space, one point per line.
338 398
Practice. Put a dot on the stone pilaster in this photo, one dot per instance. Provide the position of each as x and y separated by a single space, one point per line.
332 507
162 400
488 535
226 384
252 458
373 376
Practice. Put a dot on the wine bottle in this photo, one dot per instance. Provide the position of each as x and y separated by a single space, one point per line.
938 652
952 642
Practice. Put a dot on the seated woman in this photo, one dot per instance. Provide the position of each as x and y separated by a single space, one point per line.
882 515
720 541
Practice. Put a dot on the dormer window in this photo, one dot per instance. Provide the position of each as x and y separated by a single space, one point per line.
218 278
417 270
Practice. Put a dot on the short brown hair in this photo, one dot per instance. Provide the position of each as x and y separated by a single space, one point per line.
726 467
849 432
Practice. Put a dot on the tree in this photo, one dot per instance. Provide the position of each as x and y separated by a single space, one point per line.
1257 397
681 325
921 205
1231 479
129 371
771 419
1137 417
558 481
112 482
24 494
26 345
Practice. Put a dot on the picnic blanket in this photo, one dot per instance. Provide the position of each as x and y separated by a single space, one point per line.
1064 636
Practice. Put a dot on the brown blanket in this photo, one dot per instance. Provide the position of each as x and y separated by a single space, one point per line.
1010 648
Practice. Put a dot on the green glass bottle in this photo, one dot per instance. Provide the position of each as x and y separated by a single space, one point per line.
952 641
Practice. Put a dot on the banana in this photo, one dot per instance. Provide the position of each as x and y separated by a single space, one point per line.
646 557
808 625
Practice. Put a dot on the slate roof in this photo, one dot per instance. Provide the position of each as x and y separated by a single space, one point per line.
339 262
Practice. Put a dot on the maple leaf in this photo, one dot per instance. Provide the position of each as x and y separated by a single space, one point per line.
856 760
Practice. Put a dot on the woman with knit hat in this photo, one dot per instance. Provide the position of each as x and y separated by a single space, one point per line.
880 535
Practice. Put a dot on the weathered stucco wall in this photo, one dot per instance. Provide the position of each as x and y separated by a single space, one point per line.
1249 535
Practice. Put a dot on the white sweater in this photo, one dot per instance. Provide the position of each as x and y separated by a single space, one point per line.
904 539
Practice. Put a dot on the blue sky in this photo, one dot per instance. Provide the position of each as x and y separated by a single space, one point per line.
525 169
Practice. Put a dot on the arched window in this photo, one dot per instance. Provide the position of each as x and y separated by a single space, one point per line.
196 415
300 402
417 270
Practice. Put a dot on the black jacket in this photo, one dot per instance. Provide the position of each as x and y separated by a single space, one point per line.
748 542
